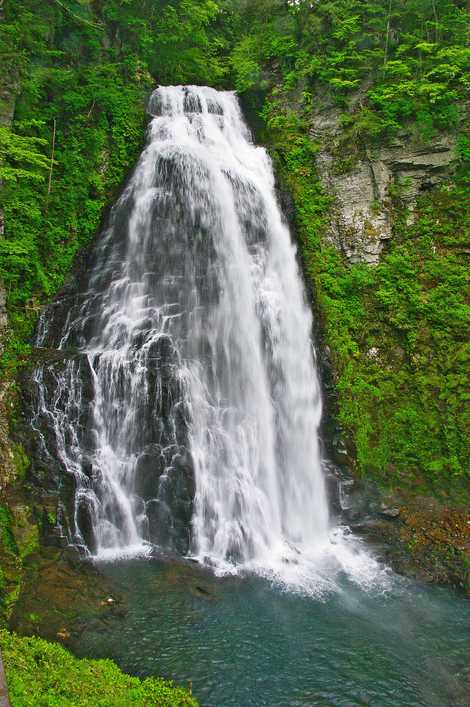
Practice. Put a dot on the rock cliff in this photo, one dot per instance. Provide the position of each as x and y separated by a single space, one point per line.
364 180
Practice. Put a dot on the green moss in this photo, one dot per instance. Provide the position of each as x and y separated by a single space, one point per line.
409 413
29 539
7 538
396 332
79 124
43 673
10 572
20 460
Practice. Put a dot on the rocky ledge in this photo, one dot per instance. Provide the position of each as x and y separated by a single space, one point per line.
365 180
419 536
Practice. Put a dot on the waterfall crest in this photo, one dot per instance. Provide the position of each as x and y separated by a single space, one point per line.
187 411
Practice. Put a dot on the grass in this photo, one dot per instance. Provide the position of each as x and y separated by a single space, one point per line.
41 674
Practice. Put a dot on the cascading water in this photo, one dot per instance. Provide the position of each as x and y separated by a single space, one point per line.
186 407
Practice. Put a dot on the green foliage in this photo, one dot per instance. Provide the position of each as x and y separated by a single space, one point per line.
184 51
409 60
43 673
9 564
397 332
7 538
246 61
85 68
20 159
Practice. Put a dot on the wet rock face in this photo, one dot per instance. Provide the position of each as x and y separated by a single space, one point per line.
61 405
362 184
62 425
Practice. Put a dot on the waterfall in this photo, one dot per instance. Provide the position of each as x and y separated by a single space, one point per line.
186 406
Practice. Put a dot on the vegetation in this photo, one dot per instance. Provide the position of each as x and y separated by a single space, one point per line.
411 58
397 332
83 70
43 673
9 566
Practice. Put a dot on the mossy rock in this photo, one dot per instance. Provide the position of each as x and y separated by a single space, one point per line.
61 595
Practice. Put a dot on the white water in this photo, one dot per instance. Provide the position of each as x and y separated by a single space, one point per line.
198 338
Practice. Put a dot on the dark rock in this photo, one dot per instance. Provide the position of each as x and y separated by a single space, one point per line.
85 522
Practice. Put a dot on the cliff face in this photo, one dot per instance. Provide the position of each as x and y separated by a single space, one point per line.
364 180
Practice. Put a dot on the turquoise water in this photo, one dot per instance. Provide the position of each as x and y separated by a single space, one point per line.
242 641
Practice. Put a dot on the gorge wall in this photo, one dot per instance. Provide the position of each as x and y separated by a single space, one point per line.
363 180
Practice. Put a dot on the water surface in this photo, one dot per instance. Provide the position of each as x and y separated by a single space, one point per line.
243 641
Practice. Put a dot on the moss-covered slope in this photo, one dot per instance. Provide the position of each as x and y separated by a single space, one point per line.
42 673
